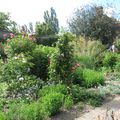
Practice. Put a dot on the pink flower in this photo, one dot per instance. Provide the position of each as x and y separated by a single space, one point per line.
4 35
11 35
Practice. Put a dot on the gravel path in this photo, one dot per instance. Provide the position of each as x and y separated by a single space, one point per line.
103 111
92 114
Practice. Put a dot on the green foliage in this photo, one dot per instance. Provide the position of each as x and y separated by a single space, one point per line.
41 61
59 88
81 94
2 116
77 76
48 40
23 111
4 21
101 29
110 59
94 99
117 66
51 103
78 93
51 20
92 78
3 93
85 61
118 44
43 29
16 66
16 74
19 45
62 61
68 102
2 53
85 47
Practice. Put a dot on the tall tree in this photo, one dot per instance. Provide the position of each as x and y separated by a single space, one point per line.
13 27
4 21
30 27
91 21
42 29
52 20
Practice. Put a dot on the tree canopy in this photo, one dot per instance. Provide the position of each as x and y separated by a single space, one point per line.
90 21
51 19
4 21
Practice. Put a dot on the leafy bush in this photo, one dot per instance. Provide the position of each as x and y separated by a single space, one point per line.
95 99
16 74
117 65
40 110
85 61
88 47
62 63
81 94
77 76
48 40
68 102
23 111
118 44
110 59
92 78
59 88
19 45
51 103
15 67
78 93
41 61
2 116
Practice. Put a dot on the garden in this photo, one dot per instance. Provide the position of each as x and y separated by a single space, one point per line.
53 71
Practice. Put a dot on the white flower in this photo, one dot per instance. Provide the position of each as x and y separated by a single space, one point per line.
15 58
24 61
21 78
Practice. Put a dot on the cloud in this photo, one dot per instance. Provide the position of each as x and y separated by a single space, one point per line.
110 11
25 11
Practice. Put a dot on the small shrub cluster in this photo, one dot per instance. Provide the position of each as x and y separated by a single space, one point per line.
18 45
40 58
81 94
110 60
92 78
49 104
61 66
87 77
59 88
47 41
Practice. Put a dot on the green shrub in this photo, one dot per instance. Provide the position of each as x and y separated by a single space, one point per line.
23 111
16 66
68 102
48 40
59 88
117 65
41 61
92 78
85 61
110 59
78 93
62 62
19 45
77 76
51 103
2 116
16 73
87 96
118 45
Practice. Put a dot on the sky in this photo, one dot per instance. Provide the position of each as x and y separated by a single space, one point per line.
25 11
